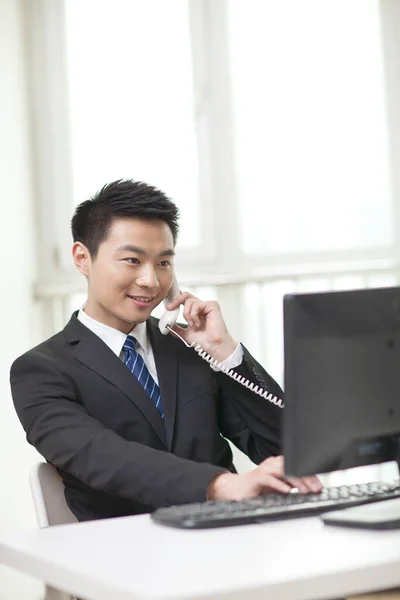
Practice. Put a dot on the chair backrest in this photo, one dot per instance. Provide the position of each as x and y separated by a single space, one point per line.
48 496
51 508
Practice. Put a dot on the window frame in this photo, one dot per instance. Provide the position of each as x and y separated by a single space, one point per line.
218 258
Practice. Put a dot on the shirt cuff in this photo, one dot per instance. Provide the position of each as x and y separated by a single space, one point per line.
233 360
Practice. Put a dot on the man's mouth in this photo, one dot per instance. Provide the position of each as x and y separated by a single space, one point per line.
141 300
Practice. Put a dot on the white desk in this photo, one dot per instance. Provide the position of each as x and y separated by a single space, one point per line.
133 559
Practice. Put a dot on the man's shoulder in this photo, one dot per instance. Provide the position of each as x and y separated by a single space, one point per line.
49 350
49 345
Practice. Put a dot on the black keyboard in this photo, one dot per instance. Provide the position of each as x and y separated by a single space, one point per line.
220 513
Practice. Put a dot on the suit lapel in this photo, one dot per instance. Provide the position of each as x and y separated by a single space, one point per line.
97 356
165 357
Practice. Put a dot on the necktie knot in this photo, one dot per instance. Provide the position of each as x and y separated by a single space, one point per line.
130 343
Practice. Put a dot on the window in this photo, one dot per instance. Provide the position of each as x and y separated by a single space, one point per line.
311 132
131 100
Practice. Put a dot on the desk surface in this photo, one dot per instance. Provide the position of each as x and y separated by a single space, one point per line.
132 558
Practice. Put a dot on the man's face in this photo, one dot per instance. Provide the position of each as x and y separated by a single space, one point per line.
130 275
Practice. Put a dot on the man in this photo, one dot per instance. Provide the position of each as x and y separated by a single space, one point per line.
132 419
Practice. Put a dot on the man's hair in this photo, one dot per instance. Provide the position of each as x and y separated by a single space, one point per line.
124 198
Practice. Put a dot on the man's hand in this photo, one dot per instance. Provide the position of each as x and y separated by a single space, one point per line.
266 478
206 326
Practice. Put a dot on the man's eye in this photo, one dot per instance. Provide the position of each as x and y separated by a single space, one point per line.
165 263
132 261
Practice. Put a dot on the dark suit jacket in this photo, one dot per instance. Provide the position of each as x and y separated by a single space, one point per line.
86 414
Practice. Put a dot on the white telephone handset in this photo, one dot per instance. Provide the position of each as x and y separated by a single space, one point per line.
169 317
165 324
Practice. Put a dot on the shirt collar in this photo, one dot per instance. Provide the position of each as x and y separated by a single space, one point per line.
140 333
114 338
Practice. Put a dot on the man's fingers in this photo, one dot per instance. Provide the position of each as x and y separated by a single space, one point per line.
306 485
313 483
275 467
274 484
186 310
181 299
298 483
193 311
266 482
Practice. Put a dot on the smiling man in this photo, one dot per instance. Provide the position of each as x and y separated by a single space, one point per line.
134 420
138 275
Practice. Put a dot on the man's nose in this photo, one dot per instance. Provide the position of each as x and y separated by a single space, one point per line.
148 278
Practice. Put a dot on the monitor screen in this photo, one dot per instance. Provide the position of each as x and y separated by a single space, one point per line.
342 379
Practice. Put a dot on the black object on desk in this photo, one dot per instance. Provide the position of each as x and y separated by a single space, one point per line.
342 380
380 515
342 387
274 506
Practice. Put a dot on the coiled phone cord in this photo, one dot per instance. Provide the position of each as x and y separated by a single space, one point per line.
230 372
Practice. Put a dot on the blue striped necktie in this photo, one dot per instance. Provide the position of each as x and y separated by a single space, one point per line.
137 366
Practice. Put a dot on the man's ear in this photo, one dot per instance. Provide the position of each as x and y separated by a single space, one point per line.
81 258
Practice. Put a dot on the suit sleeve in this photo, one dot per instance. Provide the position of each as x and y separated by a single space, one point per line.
252 423
69 438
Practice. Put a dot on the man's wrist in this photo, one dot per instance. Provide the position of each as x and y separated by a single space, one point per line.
222 487
221 352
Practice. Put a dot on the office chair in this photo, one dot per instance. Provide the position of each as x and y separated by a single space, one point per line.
50 507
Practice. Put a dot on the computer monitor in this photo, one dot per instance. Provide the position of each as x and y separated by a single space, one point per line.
342 379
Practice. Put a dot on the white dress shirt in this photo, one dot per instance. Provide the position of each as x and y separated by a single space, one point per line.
115 340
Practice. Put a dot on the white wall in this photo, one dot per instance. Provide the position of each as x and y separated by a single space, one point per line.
17 265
